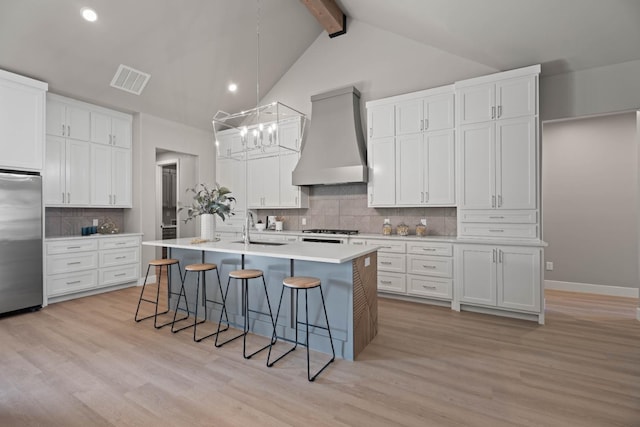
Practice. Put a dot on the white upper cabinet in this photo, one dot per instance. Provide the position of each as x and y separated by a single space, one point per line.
110 176
288 134
431 113
22 112
110 130
382 172
289 193
509 98
409 117
380 121
66 174
67 120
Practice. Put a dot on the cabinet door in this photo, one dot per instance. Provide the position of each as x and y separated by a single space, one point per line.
516 97
21 126
78 180
232 174
121 178
519 278
476 274
56 120
262 182
288 135
439 172
271 181
78 123
54 172
121 132
516 177
476 104
409 117
439 112
289 193
381 121
410 165
382 173
100 175
477 166
100 128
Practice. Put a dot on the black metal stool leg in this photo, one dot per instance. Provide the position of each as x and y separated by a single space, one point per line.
224 304
247 321
144 285
333 357
186 304
168 273
274 336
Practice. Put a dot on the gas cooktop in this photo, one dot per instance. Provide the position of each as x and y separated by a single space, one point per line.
330 231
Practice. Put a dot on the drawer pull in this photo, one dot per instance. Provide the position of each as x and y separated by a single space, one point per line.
119 275
429 249
358 243
121 257
75 282
496 217
121 243
386 247
386 282
496 231
74 247
74 263
429 266
429 287
385 262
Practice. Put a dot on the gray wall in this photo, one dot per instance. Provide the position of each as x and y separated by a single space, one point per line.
590 200
601 90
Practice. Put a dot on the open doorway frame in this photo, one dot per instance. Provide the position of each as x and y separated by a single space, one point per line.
173 227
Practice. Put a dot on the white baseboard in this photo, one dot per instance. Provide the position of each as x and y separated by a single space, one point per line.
614 291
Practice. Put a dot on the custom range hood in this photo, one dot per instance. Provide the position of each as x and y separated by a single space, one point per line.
334 151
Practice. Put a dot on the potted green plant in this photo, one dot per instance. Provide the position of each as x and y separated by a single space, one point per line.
207 202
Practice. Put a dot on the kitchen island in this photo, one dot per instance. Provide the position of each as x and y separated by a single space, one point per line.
349 281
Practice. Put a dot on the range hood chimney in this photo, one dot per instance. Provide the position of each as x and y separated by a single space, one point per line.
334 151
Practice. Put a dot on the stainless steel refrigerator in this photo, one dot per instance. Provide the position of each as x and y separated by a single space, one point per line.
20 241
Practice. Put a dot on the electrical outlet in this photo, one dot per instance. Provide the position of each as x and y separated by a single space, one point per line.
95 222
549 266
304 221
423 221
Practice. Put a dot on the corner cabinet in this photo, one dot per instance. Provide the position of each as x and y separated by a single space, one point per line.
22 122
500 276
88 155
411 149
498 149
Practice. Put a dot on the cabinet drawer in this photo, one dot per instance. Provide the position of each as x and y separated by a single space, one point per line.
389 246
121 274
500 216
429 287
430 266
508 231
119 257
430 248
67 246
389 262
392 283
68 263
119 242
61 284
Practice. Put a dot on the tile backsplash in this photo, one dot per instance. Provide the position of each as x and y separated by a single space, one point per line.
345 207
65 222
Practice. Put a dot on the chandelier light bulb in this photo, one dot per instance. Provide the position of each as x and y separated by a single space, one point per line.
89 14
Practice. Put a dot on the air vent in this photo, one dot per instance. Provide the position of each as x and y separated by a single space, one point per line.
130 80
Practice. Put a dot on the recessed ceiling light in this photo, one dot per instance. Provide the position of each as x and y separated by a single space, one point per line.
232 87
89 14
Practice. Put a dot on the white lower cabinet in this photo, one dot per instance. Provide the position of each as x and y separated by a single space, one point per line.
507 277
80 265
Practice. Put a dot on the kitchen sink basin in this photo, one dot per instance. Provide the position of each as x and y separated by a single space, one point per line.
257 242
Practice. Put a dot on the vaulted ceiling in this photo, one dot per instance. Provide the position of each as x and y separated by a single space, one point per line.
194 48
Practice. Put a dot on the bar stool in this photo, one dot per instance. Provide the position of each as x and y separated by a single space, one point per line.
200 270
244 276
166 263
297 284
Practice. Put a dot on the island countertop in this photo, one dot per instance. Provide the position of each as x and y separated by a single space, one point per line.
305 251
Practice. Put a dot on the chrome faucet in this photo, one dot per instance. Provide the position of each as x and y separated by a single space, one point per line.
245 231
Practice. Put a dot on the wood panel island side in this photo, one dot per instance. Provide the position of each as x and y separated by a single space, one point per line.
349 282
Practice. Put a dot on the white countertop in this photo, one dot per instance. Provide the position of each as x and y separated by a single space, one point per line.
53 239
305 251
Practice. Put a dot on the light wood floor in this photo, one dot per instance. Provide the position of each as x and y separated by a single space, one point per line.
87 363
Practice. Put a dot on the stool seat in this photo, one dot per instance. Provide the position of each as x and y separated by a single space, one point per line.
163 262
201 267
245 274
301 282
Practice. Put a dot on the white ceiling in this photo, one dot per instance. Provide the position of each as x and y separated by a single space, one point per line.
193 48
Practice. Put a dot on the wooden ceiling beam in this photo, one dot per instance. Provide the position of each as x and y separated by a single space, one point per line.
329 15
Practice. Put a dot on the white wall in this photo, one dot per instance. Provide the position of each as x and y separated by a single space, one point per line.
377 62
590 200
601 90
150 134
